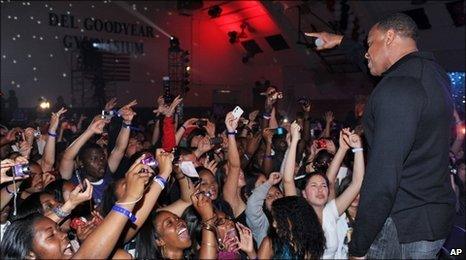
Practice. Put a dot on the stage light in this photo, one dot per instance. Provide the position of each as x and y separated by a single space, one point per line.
233 36
44 104
215 11
174 44
188 68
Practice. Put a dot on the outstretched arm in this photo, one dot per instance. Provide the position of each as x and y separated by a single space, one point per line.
290 164
67 162
118 151
48 157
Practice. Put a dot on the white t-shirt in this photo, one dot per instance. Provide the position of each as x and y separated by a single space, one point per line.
342 230
329 225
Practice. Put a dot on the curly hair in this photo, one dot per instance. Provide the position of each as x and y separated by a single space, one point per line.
297 228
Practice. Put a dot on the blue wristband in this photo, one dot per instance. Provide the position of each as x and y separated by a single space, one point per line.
126 125
125 212
161 181
231 133
53 135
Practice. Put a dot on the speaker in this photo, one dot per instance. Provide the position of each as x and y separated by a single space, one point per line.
277 42
251 47
420 18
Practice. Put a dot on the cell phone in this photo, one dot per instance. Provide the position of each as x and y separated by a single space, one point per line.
18 137
18 170
201 123
216 140
105 114
279 131
321 143
80 179
37 133
237 112
150 161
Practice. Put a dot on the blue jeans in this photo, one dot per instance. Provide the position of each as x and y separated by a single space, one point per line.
387 246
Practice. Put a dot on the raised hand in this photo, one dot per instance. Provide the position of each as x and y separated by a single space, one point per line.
231 122
202 204
47 178
7 164
127 113
190 123
245 236
295 131
55 118
353 140
329 117
110 104
204 144
330 40
97 125
211 165
252 116
11 135
343 144
272 96
165 161
210 128
274 178
173 105
25 148
78 195
136 178
267 134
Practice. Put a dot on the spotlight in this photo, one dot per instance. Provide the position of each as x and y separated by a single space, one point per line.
188 68
233 36
44 104
174 44
215 11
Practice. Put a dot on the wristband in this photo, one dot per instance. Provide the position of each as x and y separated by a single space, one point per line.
161 181
266 116
355 150
125 125
268 157
60 213
182 126
125 212
231 133
50 134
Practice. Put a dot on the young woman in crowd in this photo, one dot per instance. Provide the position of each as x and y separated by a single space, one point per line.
295 232
320 192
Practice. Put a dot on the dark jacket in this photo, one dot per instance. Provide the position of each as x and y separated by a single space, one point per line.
407 122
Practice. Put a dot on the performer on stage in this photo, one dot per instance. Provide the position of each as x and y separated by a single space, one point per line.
407 204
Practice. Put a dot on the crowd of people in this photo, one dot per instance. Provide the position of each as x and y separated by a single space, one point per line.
247 185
